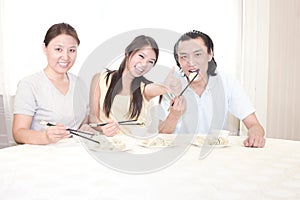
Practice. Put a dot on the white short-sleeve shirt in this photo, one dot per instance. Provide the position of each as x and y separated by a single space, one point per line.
209 111
36 96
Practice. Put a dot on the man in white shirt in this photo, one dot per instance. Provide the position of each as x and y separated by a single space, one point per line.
210 96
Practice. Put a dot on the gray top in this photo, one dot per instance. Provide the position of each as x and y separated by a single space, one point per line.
37 97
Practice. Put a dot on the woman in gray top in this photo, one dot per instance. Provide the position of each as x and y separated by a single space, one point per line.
51 95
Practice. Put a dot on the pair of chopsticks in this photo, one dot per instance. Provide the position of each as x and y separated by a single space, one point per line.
127 122
73 131
181 93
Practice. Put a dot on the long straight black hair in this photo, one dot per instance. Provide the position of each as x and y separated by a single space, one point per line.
136 100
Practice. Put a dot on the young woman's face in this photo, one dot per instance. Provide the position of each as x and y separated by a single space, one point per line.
61 53
192 55
141 62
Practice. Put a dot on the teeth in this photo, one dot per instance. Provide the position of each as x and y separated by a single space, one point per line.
140 69
193 74
194 71
63 64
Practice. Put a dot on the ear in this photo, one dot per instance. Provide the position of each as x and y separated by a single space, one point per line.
211 55
44 48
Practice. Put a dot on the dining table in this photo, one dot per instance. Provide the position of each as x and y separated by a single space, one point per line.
70 169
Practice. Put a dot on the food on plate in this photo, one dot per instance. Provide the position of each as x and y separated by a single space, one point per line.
107 144
159 141
200 140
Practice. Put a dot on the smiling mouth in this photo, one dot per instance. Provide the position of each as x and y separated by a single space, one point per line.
194 71
193 74
63 64
139 69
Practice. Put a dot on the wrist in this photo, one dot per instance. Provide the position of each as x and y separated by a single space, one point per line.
174 115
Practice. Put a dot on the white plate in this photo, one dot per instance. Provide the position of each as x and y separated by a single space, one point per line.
216 145
199 140
112 144
156 146
160 141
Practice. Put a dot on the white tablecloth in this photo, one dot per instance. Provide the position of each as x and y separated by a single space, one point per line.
67 171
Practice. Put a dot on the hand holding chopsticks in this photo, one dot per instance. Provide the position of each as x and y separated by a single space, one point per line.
73 132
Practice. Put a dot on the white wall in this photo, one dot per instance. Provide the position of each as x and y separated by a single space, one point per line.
284 69
255 55
26 22
271 47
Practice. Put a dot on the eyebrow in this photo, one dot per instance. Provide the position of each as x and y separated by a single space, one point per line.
196 51
61 45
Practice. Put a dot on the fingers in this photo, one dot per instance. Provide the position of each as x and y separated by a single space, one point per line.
172 82
255 141
259 142
111 128
175 86
171 72
246 143
169 77
178 105
56 133
177 101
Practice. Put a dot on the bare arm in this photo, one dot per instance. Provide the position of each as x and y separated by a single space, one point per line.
94 100
256 132
154 89
112 127
23 134
176 110
171 85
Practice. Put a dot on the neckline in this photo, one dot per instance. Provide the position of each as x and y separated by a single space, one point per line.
53 86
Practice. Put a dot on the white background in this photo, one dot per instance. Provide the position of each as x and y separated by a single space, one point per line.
24 25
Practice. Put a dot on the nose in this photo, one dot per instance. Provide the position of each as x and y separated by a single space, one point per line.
65 55
191 61
144 62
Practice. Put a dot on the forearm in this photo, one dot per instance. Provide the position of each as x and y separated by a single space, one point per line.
93 119
153 89
253 126
25 136
169 125
176 109
256 132
256 129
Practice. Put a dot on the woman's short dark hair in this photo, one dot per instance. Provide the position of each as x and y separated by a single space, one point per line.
58 29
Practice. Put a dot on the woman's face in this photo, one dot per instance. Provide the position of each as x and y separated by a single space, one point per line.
61 53
192 55
141 62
